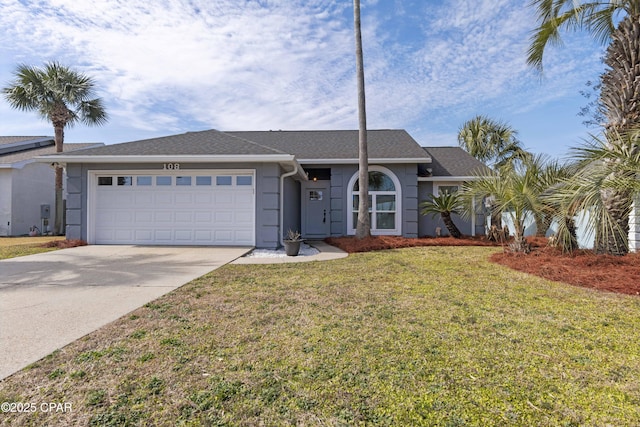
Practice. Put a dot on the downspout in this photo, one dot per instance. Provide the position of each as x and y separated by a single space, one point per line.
282 177
473 216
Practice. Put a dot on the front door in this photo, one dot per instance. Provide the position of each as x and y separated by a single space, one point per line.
316 221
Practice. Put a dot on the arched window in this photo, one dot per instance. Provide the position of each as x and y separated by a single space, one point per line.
384 202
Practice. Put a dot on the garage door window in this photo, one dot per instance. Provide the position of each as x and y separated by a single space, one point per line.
125 180
244 180
183 180
163 180
203 180
105 180
223 180
143 180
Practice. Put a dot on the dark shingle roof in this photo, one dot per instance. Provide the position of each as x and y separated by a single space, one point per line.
454 161
14 139
209 142
314 145
20 156
338 144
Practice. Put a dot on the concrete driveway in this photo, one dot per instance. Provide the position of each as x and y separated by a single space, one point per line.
50 300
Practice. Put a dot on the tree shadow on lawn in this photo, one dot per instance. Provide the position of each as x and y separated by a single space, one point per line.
582 268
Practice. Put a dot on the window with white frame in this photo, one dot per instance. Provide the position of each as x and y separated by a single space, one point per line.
450 189
384 202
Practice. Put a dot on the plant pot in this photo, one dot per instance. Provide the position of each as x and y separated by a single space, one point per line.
292 247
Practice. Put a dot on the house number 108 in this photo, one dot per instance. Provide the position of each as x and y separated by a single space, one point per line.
171 166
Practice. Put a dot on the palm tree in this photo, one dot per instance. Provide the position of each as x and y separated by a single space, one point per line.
491 141
494 142
63 97
514 193
603 168
616 22
550 173
444 205
363 228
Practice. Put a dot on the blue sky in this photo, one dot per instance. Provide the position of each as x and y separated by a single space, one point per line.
171 66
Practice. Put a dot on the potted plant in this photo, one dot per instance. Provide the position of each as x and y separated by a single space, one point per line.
292 242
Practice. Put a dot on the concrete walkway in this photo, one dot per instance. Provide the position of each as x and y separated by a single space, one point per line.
51 299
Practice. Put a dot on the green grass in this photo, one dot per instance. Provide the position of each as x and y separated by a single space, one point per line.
411 337
11 247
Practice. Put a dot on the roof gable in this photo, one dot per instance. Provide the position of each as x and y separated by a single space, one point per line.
13 144
20 157
339 144
454 162
210 142
306 146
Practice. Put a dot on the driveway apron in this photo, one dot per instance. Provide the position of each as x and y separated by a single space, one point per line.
51 299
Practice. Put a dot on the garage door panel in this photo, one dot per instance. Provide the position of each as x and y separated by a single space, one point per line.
174 214
224 198
182 236
243 217
143 217
163 235
104 235
224 217
243 235
183 198
203 236
184 216
163 216
125 235
143 199
203 198
244 198
202 217
225 236
125 217
163 198
143 236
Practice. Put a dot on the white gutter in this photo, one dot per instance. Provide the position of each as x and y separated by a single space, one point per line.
186 158
282 177
371 160
444 178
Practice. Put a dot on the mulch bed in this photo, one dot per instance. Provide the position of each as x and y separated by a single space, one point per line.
377 243
582 268
64 244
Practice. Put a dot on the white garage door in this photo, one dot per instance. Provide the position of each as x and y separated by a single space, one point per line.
185 208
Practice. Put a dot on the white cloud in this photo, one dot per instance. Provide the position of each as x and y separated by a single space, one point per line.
175 65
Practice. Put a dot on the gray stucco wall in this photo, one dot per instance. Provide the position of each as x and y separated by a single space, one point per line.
267 195
291 205
427 225
340 204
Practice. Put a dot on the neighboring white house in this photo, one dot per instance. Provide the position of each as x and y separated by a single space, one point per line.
27 188
584 233
634 226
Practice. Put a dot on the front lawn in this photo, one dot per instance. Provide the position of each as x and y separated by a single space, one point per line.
11 247
407 337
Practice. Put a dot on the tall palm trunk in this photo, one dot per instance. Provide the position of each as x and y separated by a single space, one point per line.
363 228
620 99
59 203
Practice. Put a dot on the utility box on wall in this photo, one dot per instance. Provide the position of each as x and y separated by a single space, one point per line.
45 211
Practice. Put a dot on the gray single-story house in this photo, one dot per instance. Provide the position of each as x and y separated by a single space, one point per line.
249 188
27 187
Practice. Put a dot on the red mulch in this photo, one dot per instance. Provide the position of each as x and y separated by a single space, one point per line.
63 244
376 243
583 268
